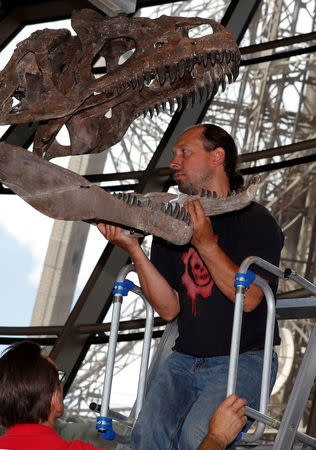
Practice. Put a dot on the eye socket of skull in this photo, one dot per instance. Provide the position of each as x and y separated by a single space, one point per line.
113 54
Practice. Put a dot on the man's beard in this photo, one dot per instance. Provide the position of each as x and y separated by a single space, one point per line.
188 188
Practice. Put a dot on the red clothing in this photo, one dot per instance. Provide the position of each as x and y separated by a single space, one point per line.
38 437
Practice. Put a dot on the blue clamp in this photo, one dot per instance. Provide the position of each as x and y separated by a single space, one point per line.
248 279
104 426
123 288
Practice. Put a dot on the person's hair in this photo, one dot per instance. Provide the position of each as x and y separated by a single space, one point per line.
27 383
214 136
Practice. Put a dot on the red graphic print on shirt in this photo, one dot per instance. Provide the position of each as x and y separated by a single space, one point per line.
196 277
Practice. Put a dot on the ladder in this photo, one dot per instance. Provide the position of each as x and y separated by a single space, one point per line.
287 428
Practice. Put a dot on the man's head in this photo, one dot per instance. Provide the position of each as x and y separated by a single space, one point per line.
205 156
29 389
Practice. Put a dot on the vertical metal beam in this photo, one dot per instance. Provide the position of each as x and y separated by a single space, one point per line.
70 349
298 398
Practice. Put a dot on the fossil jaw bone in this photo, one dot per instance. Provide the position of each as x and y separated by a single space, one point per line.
62 194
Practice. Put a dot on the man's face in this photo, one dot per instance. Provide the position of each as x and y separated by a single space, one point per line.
191 163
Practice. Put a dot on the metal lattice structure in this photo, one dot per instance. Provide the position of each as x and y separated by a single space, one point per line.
270 112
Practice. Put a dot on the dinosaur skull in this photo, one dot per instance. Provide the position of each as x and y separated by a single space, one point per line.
148 63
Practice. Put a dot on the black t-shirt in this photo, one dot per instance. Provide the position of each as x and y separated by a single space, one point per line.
206 316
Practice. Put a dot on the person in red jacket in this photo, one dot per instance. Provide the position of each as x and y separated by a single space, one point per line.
31 400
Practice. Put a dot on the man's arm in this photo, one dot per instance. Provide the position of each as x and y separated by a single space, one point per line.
225 424
220 266
156 289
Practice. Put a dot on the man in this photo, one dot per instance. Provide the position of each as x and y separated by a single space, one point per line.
31 400
195 283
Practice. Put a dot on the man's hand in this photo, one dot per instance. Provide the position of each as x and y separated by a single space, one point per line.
203 231
117 236
225 424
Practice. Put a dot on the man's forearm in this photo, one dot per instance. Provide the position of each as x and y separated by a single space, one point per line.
156 289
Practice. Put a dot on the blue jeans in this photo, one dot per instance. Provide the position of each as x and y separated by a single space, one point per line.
185 393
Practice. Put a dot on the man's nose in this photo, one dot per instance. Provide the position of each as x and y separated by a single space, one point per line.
175 163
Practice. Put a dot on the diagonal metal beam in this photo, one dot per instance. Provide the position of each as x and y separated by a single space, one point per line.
92 305
14 19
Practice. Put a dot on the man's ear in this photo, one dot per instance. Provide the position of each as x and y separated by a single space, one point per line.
57 402
218 156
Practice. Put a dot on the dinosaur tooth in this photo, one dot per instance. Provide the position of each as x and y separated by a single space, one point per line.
179 101
148 78
140 80
229 75
172 71
157 108
228 56
201 92
189 64
223 83
161 75
129 198
214 194
182 213
171 104
209 194
169 209
198 59
220 56
126 84
133 82
176 210
118 89
164 106
208 90
212 57
185 101
203 192
205 59
187 218
215 86
235 71
134 200
181 68
120 195
193 96
151 112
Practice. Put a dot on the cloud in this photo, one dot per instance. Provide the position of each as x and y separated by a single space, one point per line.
29 228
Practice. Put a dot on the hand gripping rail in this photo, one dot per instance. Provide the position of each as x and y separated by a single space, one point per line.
104 421
243 280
